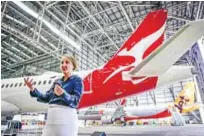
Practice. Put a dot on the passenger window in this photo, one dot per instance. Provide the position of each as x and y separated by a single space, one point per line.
50 81
16 84
7 85
39 82
34 83
20 84
11 85
44 82
2 86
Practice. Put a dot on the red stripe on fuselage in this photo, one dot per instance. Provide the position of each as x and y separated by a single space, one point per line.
162 114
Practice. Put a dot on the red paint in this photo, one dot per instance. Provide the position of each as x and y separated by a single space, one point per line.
102 91
162 114
154 46
123 101
100 112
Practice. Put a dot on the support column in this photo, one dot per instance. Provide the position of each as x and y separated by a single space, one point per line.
198 97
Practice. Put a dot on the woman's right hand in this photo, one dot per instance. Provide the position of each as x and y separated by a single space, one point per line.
29 84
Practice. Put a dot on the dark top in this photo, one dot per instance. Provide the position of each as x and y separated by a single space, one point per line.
73 90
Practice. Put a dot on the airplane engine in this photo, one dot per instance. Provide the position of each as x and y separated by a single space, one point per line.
107 120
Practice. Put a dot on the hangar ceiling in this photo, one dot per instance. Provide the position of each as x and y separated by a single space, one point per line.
35 34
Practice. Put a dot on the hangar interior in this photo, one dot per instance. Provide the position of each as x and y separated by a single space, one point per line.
34 35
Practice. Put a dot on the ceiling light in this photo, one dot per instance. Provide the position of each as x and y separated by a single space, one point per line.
50 26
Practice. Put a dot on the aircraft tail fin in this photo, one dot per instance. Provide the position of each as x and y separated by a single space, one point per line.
143 41
185 99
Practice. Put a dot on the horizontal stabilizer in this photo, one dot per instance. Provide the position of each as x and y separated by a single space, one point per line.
165 56
174 74
8 108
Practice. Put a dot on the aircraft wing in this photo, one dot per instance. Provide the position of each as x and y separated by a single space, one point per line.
175 73
8 108
164 57
16 105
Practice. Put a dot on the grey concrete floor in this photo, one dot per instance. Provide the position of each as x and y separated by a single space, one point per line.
187 130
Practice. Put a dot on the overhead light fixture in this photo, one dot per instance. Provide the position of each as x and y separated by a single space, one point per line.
19 22
24 47
3 35
23 24
50 26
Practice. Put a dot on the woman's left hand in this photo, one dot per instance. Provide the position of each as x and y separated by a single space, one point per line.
58 90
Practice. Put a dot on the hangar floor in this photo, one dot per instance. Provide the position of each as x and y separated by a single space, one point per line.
187 130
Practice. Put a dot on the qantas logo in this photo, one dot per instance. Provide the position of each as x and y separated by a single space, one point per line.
115 72
142 46
137 81
137 52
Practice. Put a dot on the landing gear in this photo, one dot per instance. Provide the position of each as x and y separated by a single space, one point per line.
112 120
124 124
122 119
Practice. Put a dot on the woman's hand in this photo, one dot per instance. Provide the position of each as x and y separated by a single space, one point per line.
58 90
29 84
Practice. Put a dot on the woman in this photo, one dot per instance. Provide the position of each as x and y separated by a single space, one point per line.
63 98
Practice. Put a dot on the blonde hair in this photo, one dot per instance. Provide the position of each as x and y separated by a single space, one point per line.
72 59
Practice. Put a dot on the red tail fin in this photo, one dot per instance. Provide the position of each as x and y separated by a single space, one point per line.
148 36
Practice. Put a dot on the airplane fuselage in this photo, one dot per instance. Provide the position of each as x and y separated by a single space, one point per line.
101 90
96 91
